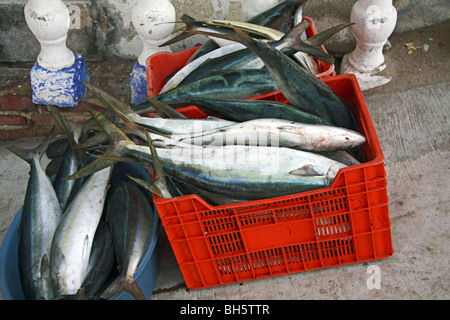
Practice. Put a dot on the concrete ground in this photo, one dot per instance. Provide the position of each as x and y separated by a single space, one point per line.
411 117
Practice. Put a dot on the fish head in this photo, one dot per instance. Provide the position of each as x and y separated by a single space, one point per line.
353 139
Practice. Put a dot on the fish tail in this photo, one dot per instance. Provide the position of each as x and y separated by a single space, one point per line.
108 99
116 148
190 23
127 284
29 154
293 34
319 39
62 123
313 45
159 186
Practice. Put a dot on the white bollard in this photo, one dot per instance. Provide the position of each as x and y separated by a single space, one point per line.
56 75
375 21
154 22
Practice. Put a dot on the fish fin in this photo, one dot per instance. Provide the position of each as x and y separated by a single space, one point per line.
293 34
187 18
62 123
116 148
321 37
96 140
316 51
130 126
149 185
165 109
44 268
86 252
176 39
119 108
92 100
122 283
108 99
289 129
113 158
107 126
159 186
190 22
313 45
160 177
307 170
28 154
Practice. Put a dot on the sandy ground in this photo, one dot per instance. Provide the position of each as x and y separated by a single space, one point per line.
411 116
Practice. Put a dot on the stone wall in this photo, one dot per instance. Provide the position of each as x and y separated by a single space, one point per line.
105 28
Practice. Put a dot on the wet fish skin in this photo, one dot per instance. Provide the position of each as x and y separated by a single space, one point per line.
101 263
270 15
299 86
237 172
245 172
244 110
235 84
41 214
265 18
67 167
196 67
72 242
280 132
240 57
130 215
72 160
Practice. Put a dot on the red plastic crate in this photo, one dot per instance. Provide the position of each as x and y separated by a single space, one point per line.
161 65
347 222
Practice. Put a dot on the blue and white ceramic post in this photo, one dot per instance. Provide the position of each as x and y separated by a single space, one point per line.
56 75
154 23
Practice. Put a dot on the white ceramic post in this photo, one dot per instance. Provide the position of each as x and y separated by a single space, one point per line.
154 23
375 21
55 76
49 21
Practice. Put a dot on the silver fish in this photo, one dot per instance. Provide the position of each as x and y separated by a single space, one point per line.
237 172
278 132
130 215
41 214
72 243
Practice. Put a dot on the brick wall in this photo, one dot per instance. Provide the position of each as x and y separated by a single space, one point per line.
21 118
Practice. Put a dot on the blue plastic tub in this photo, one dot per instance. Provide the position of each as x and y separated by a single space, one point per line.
145 276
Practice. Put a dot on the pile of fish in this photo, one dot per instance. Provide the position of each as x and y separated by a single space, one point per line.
249 150
79 239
